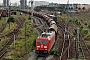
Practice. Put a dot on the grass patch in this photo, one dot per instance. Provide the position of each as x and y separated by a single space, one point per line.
23 45
54 51
3 41
6 30
84 32
1 22
88 38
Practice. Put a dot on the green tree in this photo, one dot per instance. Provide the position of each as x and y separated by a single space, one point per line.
10 19
55 14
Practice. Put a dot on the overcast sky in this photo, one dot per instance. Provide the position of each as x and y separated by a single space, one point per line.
58 1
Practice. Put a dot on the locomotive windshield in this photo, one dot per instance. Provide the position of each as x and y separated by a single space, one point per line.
45 35
42 42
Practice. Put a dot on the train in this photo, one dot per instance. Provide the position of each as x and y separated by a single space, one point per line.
52 17
46 40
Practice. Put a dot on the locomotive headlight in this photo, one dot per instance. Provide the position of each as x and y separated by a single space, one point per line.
45 46
38 46
48 38
45 49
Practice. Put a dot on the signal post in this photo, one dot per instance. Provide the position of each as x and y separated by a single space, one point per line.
14 32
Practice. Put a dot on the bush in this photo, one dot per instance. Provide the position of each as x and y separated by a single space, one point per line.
84 31
54 51
81 27
70 21
77 22
89 26
33 41
29 18
55 14
64 12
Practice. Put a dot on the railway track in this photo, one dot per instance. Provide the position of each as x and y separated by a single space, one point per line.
41 58
2 27
80 48
4 49
39 23
67 44
36 57
64 43
62 28
83 51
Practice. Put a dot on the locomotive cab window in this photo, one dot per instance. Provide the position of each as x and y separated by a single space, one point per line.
45 35
42 42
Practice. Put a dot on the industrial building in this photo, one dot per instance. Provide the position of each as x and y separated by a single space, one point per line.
6 2
23 3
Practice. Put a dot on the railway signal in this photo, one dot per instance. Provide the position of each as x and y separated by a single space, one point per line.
14 31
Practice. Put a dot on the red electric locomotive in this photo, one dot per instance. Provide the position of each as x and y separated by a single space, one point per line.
45 42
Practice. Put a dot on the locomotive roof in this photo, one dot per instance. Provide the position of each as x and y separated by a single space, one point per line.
46 35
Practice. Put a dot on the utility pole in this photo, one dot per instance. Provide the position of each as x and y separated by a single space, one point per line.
32 6
77 43
14 40
9 9
25 36
32 11
69 45
78 40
